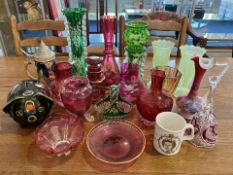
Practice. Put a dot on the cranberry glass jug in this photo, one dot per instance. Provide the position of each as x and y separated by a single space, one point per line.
153 101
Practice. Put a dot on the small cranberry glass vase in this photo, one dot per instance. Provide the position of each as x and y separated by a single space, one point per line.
192 103
111 69
130 84
95 73
76 95
62 70
153 101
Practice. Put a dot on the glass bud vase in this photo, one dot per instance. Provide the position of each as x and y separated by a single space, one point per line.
187 68
130 84
161 52
192 103
62 70
111 70
153 101
75 26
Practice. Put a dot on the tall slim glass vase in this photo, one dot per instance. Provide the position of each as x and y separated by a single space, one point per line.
75 26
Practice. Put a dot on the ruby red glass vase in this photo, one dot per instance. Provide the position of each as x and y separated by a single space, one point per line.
154 101
111 70
62 70
192 103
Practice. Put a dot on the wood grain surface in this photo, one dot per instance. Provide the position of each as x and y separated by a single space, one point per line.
19 155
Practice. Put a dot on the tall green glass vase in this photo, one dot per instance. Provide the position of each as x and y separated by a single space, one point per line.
75 26
136 36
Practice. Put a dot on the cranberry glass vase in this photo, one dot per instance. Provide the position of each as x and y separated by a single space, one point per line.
192 103
153 101
111 70
62 70
130 84
76 95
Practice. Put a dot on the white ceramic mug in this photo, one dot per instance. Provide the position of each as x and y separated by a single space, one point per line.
170 132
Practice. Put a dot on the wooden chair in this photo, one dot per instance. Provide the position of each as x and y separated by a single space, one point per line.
165 21
19 43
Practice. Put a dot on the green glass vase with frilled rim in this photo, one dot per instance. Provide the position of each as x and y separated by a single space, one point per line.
75 26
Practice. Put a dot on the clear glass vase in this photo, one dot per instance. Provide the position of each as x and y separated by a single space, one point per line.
187 68
161 52
75 26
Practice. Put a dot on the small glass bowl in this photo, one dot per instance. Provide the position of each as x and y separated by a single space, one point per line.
59 134
116 142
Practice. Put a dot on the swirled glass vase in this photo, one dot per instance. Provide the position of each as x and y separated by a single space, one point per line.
75 26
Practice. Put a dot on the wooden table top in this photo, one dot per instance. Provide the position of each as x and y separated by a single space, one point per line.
19 155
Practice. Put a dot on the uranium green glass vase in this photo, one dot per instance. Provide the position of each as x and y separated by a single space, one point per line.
187 68
161 52
75 26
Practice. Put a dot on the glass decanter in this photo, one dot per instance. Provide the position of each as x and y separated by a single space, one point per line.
192 103
95 73
111 70
76 95
62 70
153 101
204 121
130 84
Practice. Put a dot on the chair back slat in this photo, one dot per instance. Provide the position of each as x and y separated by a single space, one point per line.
41 25
48 40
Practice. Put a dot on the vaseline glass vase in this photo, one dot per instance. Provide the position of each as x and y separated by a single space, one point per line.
187 68
161 52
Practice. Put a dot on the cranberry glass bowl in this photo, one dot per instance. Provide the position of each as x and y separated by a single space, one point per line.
116 142
59 134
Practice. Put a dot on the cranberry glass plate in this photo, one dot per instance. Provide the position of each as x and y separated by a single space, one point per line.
59 134
116 142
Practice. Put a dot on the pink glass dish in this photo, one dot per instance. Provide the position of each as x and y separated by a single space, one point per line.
59 134
116 142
